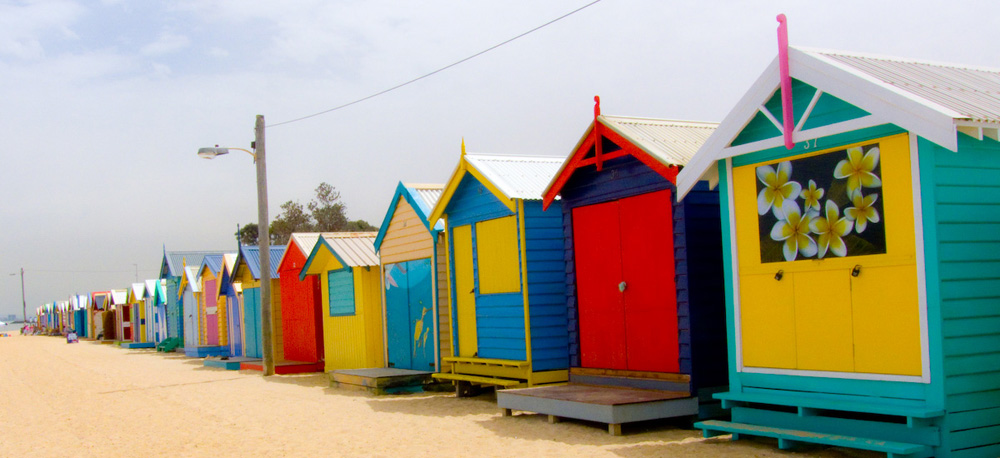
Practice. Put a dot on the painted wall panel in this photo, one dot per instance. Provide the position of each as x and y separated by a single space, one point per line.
355 341
302 312
406 238
498 256
465 294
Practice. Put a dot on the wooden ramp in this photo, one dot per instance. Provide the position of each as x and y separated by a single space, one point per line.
202 351
384 380
285 367
137 345
613 405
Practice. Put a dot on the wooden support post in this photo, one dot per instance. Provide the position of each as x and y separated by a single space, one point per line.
504 412
553 419
615 429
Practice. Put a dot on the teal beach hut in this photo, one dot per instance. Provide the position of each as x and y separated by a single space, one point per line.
862 260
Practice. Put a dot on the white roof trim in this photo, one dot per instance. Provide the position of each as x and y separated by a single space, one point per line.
885 102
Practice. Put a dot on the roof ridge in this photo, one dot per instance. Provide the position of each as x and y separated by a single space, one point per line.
663 120
904 60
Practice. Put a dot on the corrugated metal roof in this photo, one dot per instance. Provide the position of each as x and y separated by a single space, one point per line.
151 287
214 263
192 278
174 260
671 142
428 193
119 296
356 249
973 93
138 290
251 256
518 177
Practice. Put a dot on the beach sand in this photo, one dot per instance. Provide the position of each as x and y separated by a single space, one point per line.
93 400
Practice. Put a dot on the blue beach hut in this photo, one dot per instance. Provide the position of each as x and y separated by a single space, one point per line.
507 272
861 242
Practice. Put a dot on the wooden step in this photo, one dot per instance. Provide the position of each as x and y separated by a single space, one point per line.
487 361
506 383
841 403
788 438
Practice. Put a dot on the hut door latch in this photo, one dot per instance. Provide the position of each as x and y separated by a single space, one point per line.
856 270
621 287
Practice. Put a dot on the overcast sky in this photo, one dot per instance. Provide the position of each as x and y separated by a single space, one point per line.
103 104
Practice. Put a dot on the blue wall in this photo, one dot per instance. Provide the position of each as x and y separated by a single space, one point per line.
500 317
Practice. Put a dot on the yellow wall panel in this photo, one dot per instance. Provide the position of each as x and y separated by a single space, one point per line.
277 335
499 258
886 321
465 294
824 336
444 302
767 318
355 341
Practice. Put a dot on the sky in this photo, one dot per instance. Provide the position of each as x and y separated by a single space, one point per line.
103 104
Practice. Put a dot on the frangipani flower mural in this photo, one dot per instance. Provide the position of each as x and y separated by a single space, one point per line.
794 225
778 188
811 195
863 211
794 230
858 169
830 229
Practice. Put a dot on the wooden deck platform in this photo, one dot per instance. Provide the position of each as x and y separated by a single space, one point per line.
229 364
285 367
137 345
384 380
202 351
613 405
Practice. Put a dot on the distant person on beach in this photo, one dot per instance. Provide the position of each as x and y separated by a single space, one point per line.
71 337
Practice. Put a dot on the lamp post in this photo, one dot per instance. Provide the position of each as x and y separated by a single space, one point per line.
24 304
263 237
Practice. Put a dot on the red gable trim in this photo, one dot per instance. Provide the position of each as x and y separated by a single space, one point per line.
597 131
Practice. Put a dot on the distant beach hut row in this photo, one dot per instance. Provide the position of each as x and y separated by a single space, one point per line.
827 274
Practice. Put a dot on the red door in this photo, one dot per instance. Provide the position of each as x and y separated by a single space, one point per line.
625 281
598 272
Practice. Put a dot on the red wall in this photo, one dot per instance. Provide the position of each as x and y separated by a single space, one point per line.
301 313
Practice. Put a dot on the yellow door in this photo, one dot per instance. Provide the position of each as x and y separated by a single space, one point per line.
839 226
465 293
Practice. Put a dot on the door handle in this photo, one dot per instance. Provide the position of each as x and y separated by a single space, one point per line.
473 291
779 275
621 287
856 270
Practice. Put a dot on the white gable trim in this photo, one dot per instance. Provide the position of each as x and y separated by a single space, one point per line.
886 103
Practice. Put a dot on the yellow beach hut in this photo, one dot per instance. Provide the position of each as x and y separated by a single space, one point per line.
350 285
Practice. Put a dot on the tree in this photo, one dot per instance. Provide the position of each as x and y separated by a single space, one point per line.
360 226
326 214
327 211
248 234
292 218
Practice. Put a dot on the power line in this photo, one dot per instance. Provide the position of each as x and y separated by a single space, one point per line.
414 80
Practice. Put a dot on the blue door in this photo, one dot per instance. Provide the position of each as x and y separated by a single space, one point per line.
235 326
409 315
252 327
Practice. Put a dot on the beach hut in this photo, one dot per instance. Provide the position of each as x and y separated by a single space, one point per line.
79 304
507 273
643 275
350 287
137 309
230 294
246 274
156 310
412 256
212 322
302 311
189 290
172 271
861 238
123 320
100 302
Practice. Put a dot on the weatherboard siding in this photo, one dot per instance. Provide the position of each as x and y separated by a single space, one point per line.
444 303
355 341
407 238
546 286
966 188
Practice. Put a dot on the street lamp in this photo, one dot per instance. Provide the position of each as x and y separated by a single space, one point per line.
263 236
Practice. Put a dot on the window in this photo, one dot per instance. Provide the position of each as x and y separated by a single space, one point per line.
498 256
341 292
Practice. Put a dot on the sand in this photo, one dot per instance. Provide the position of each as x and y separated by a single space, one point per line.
93 400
